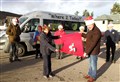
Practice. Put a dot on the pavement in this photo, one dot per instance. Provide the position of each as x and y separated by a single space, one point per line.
68 69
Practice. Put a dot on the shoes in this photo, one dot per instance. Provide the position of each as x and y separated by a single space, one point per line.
113 61
59 57
86 76
46 77
36 57
77 57
80 58
50 76
17 60
107 61
41 57
91 79
11 60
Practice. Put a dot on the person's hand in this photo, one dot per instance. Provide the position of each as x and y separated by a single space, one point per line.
60 36
56 50
34 43
116 44
85 55
104 43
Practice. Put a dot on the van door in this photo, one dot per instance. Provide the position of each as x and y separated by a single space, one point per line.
28 31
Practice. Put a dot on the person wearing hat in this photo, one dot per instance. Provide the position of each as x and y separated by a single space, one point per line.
110 40
13 31
58 42
93 38
82 30
45 49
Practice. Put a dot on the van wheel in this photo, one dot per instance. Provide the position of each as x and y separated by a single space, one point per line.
21 50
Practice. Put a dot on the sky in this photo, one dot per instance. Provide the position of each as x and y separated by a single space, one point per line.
98 7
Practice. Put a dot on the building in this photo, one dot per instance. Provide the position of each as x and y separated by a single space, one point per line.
103 21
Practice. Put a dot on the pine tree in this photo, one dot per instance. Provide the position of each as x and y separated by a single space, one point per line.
115 9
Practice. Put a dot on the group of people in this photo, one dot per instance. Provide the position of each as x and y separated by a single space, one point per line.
43 43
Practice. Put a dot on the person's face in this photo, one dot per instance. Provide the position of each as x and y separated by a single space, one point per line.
60 28
110 28
14 21
46 31
39 29
82 30
90 27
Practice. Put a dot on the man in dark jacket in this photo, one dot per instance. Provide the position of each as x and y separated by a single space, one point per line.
92 47
13 31
111 38
45 50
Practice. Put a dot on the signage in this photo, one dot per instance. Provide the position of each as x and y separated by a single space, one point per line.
65 17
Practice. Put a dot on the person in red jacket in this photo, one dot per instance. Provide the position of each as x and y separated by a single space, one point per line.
58 42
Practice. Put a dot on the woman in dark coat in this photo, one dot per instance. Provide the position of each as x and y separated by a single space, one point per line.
46 49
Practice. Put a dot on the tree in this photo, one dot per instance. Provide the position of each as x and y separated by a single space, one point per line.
86 13
76 13
92 14
115 9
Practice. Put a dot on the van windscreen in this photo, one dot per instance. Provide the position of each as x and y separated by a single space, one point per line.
22 19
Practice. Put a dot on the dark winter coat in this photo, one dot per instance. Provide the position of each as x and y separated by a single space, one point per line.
93 38
111 37
45 43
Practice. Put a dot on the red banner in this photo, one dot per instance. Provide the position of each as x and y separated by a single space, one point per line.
72 44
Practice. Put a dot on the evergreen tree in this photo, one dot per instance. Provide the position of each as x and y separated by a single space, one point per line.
86 13
115 9
76 13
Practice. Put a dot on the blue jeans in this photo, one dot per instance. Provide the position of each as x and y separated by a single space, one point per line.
93 66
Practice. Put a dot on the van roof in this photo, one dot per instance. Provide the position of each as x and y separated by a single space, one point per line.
52 15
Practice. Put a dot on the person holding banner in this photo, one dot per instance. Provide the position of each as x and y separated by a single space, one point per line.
45 50
93 38
82 28
58 42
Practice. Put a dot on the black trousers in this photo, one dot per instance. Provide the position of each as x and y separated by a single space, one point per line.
14 51
112 47
37 52
46 64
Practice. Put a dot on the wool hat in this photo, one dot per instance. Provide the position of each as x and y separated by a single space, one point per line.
60 26
89 20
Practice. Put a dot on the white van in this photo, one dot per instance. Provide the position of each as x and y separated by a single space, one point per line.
30 21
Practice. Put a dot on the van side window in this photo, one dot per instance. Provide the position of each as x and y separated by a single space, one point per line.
31 25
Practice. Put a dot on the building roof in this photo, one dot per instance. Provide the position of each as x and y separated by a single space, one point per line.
103 17
115 18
